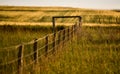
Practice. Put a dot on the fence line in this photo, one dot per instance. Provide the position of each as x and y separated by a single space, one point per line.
38 48
101 19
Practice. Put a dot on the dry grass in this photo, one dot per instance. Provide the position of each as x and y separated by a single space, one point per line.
95 51
45 14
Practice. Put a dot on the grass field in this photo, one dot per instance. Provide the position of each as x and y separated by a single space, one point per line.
94 51
45 14
11 35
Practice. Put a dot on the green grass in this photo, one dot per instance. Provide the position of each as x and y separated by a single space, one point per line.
95 52
11 35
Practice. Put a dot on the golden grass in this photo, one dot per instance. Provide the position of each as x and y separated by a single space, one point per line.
94 52
102 25
45 14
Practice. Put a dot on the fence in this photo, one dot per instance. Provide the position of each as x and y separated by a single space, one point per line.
101 19
25 57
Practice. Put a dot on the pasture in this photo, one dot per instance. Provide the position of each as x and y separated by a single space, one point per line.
94 50
37 15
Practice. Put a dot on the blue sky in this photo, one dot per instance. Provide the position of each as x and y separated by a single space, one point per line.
94 4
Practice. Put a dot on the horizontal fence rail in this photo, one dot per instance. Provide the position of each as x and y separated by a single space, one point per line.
18 59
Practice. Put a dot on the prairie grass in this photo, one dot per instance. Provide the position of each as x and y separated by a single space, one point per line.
11 35
96 51
45 14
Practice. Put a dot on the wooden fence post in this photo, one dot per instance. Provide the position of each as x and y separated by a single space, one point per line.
46 47
79 21
118 20
20 59
35 51
72 31
75 28
99 20
103 20
68 33
109 20
59 37
63 36
54 38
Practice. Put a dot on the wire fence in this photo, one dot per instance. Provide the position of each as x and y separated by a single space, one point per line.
101 19
25 57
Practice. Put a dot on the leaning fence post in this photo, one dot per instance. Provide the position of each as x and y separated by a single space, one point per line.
20 59
46 47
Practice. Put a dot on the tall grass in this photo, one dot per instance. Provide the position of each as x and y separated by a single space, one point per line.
96 51
11 35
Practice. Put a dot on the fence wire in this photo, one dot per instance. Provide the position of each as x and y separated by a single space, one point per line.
33 51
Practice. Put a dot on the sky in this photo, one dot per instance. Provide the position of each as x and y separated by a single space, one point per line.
92 4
